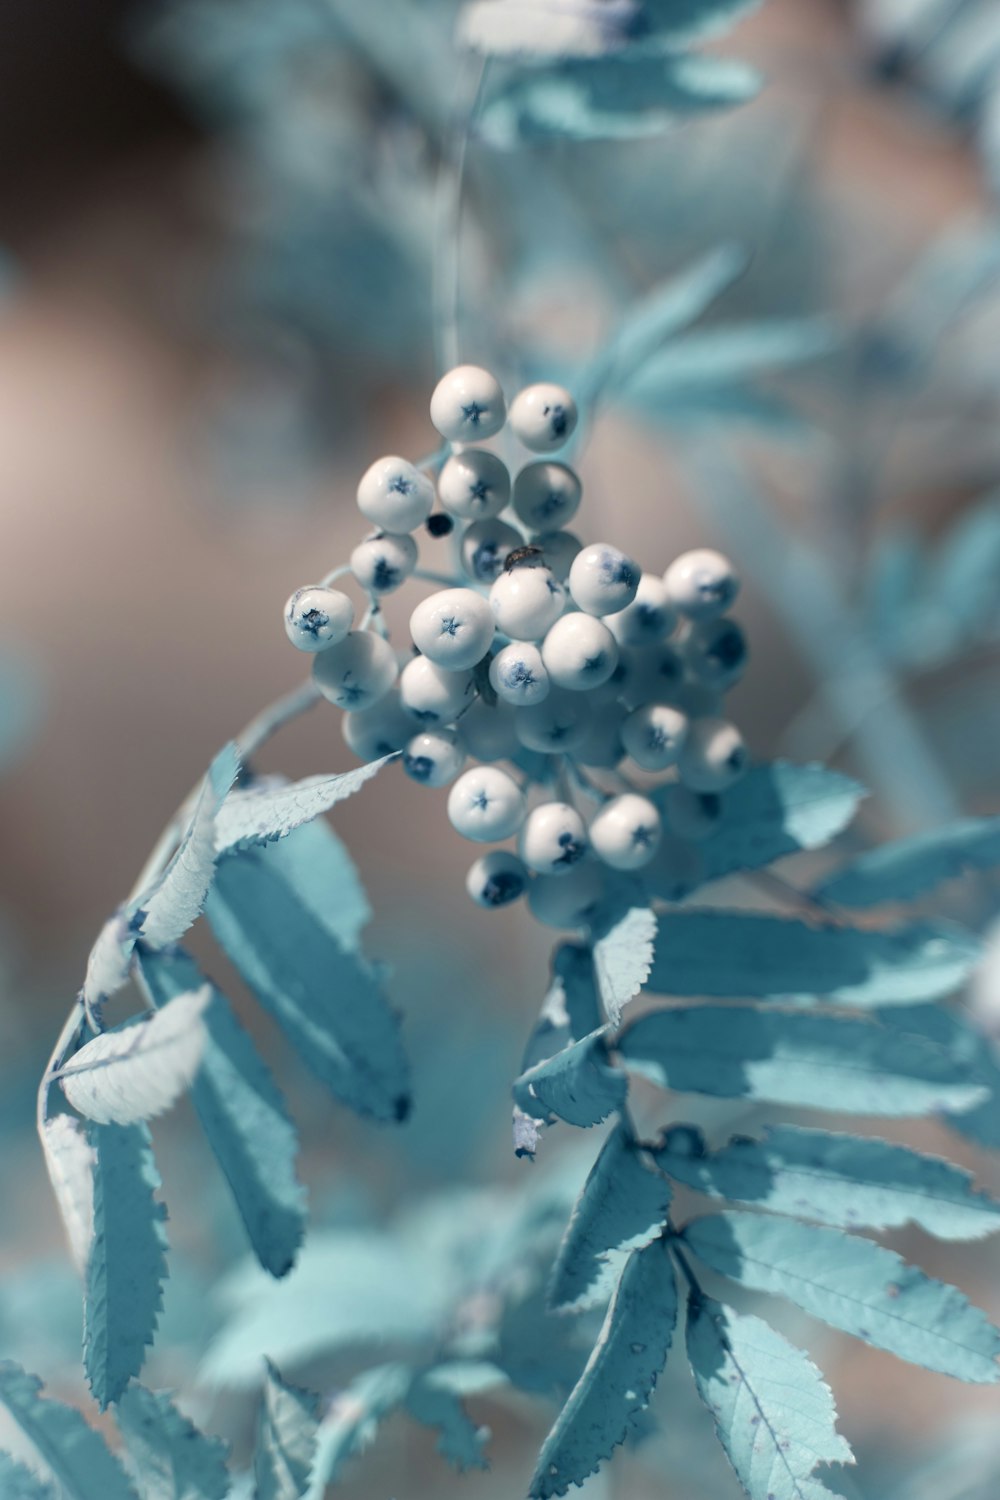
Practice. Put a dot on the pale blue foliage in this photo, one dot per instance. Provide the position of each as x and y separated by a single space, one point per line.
577 1084
260 816
330 1003
622 1207
797 1059
172 1459
854 1285
908 868
286 1439
773 1412
19 1483
244 1118
743 953
624 937
619 1376
849 1182
77 1456
127 1264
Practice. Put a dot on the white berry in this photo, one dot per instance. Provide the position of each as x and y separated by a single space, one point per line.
316 618
453 628
559 549
518 675
702 584
489 731
433 694
526 600
543 417
496 879
395 495
383 561
474 484
486 805
357 672
434 757
556 726
579 653
485 548
691 815
546 496
715 652
468 405
626 832
379 730
653 735
603 580
553 838
648 618
713 757
567 901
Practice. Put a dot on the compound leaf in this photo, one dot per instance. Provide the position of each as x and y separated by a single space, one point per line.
77 1455
139 1070
174 1461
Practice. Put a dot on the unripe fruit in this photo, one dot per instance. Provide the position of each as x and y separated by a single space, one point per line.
357 672
691 815
395 495
518 675
434 758
432 694
383 561
579 653
702 584
648 618
546 496
556 726
569 901
526 600
553 839
474 484
486 805
379 730
485 548
468 405
713 756
626 832
715 653
316 618
453 628
653 735
558 548
543 417
496 879
603 580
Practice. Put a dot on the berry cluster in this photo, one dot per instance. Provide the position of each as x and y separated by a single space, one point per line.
555 658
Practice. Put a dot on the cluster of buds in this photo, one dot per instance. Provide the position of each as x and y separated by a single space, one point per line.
544 663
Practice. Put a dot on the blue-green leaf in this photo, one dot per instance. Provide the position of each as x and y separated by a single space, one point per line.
327 999
577 1084
729 953
622 1207
619 1376
286 1440
848 1181
244 1118
905 869
350 1424
623 936
793 1058
19 1483
261 815
173 1460
773 1411
127 1265
75 1453
433 1401
854 1285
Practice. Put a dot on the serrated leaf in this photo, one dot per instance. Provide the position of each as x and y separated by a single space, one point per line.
854 1285
19 1483
127 1265
624 936
138 1071
622 1207
793 1058
173 1460
846 1181
907 868
70 1160
77 1455
350 1423
732 953
259 816
433 1402
618 1378
577 1084
286 1439
327 999
244 1118
774 1413
613 98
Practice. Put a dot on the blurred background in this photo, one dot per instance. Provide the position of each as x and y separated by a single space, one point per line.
220 225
